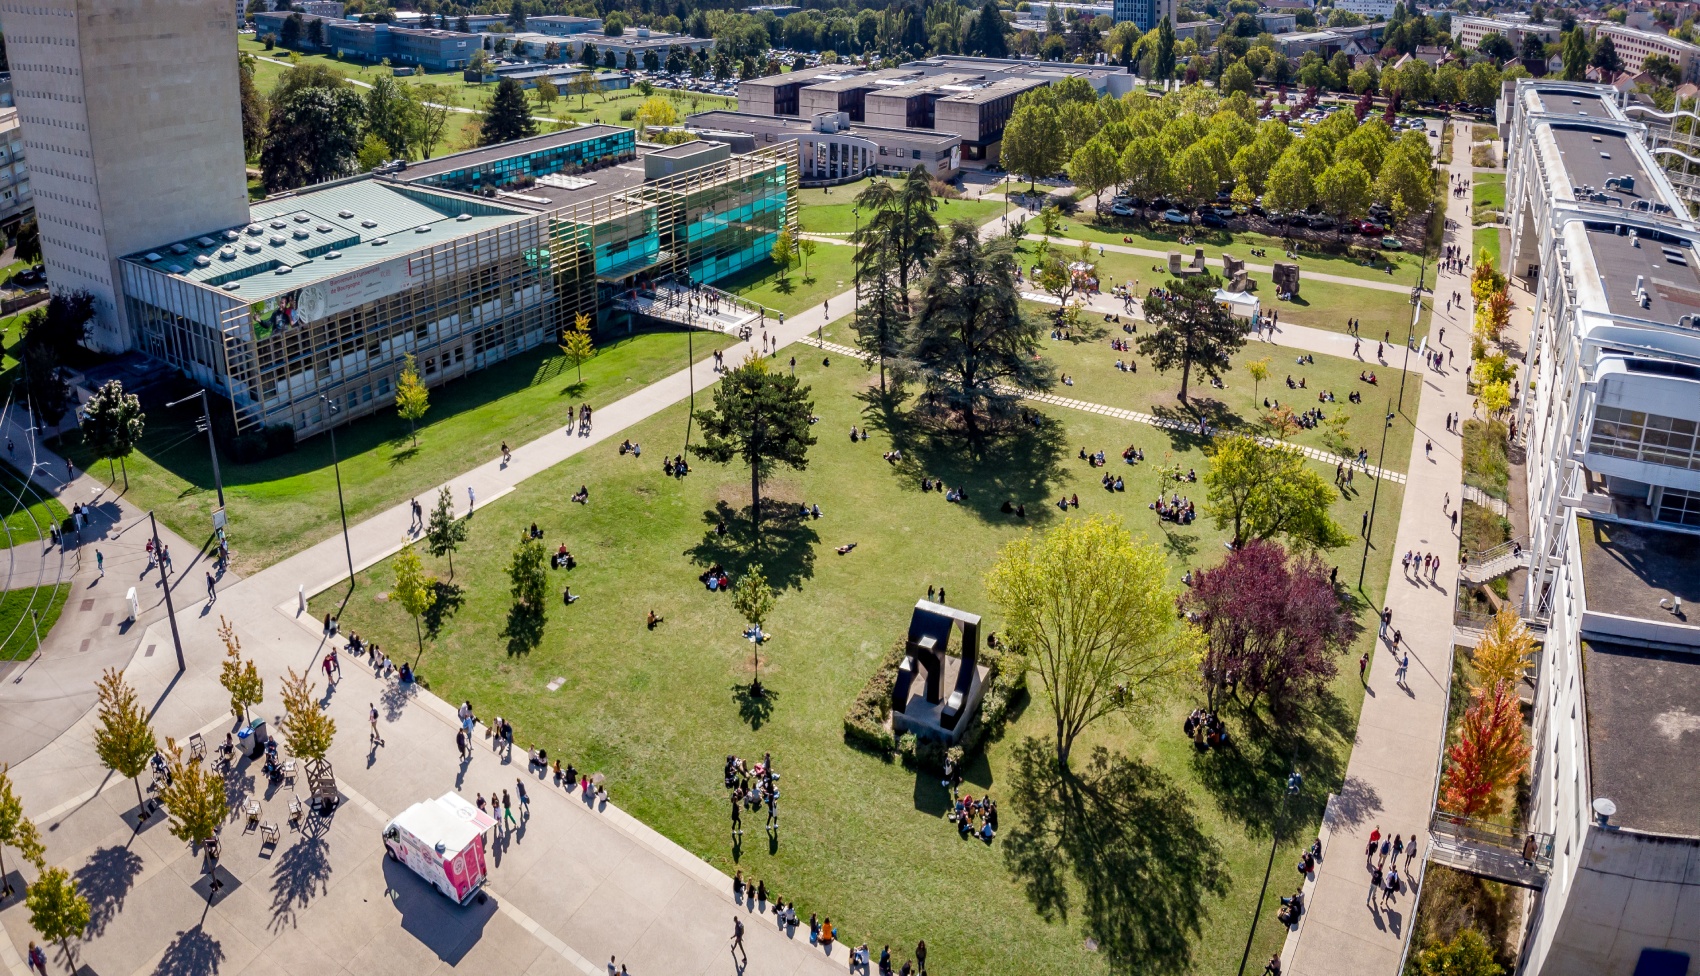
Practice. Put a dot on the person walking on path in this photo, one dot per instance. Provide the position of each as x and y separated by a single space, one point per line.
1363 668
212 591
100 561
1386 848
37 959
738 940
1399 672
1374 842
773 810
372 719
460 744
737 815
508 810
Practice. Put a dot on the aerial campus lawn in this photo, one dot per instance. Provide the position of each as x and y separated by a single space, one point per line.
1487 239
1361 264
1488 197
1320 304
18 632
819 214
864 840
28 513
1091 364
831 270
285 504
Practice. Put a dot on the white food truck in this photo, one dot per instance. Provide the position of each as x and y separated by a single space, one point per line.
442 840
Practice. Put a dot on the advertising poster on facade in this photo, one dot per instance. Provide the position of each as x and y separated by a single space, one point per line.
312 303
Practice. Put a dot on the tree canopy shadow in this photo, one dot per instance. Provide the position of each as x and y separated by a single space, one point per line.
403 455
105 880
450 598
524 629
303 873
784 549
754 710
1249 779
192 953
1022 463
1129 838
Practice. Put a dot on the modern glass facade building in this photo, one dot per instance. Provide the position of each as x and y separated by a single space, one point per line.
461 263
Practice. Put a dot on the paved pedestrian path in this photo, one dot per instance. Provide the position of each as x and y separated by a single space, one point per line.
1390 780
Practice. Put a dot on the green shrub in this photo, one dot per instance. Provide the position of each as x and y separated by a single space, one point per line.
628 114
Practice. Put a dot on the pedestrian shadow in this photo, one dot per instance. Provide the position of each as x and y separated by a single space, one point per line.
105 880
1126 838
192 953
302 873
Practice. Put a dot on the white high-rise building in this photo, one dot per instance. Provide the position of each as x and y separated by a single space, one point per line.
133 125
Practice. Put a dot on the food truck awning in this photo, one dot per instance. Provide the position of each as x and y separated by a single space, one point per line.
448 820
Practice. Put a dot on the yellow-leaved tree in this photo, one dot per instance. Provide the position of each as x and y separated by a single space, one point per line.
1503 651
411 398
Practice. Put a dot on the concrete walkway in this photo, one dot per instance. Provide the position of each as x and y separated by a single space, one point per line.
1390 779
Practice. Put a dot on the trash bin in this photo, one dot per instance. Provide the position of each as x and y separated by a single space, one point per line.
257 731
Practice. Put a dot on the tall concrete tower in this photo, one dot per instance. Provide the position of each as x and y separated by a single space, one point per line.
132 119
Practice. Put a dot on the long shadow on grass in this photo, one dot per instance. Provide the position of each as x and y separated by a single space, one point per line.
1249 778
450 597
784 549
1020 464
1142 862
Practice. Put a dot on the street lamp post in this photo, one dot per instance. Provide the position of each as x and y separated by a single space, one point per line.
1375 494
1294 781
336 465
212 449
856 212
165 581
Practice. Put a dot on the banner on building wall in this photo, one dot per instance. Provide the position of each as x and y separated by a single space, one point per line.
272 316
311 303
955 158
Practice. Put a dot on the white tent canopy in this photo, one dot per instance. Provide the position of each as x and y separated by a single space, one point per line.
1243 304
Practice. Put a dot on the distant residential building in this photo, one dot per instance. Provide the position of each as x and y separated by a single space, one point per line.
1351 40
830 148
1635 46
321 8
1469 31
638 41
139 138
427 47
1367 8
1275 22
15 198
1145 13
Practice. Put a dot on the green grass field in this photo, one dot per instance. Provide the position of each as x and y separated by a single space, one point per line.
838 217
17 632
29 511
1487 239
285 504
831 270
864 841
1488 197
1370 264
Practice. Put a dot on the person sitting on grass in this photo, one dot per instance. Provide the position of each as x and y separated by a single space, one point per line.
654 619
567 598
844 550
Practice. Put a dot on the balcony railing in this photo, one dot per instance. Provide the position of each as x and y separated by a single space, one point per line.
1490 850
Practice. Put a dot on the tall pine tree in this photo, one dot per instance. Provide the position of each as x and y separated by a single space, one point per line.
508 116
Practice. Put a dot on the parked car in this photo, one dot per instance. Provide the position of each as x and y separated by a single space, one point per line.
1123 211
1210 218
1370 228
1176 217
30 277
1392 243
1322 222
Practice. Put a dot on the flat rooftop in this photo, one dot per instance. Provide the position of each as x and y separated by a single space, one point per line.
1628 569
823 72
867 79
555 192
995 90
479 157
1670 272
736 121
319 234
1644 735
1592 156
1571 103
943 85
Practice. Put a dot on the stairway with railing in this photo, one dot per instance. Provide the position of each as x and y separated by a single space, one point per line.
1479 567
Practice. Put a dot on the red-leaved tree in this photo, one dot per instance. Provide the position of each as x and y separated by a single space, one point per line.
1274 622
1488 757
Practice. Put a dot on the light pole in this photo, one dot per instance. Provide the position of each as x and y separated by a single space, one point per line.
336 465
212 449
165 581
1294 781
856 212
1375 494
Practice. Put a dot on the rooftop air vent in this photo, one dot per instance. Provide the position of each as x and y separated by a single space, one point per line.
379 242
151 256
175 269
232 285
368 224
179 249
201 260
227 252
256 229
231 235
422 229
252 247
1604 809
464 217
204 241
279 224
332 255
345 214
301 233
283 269
302 218
278 240
323 228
